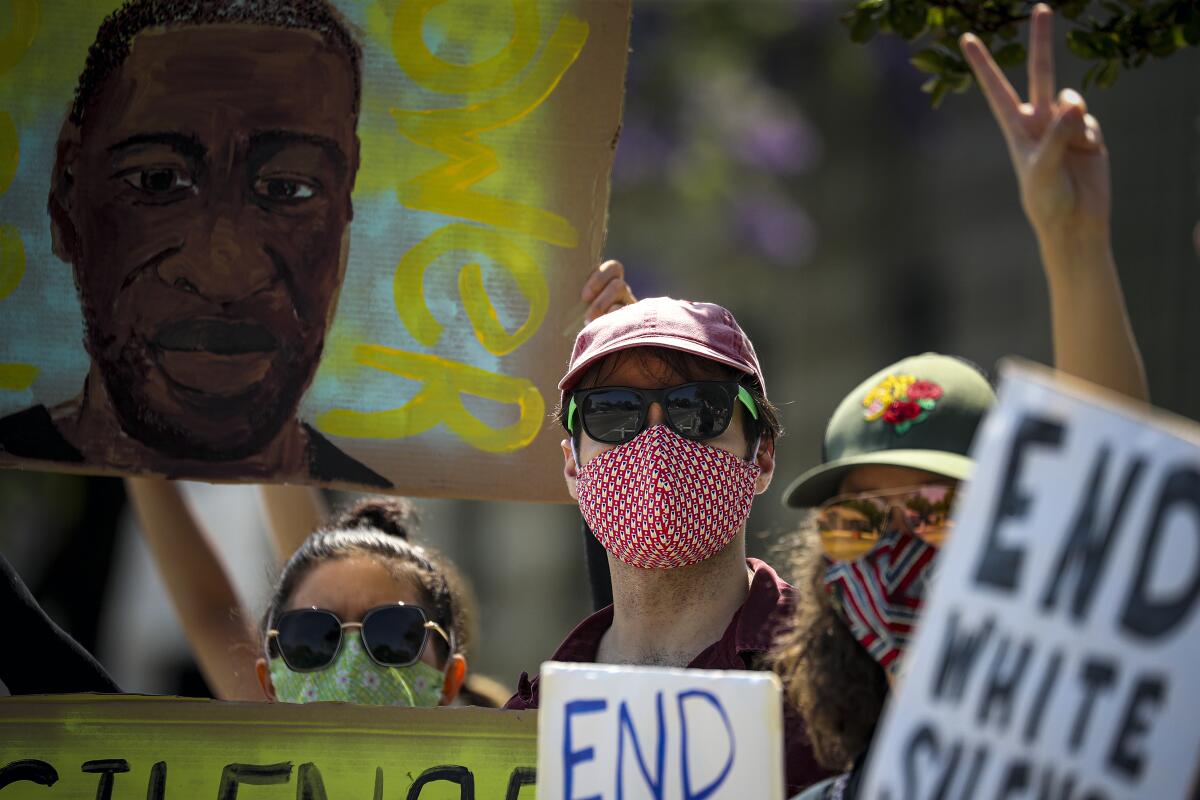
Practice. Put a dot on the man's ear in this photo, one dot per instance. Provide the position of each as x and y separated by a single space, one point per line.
63 235
456 674
264 679
765 458
570 468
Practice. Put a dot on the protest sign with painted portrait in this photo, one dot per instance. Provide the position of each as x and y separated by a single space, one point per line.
300 240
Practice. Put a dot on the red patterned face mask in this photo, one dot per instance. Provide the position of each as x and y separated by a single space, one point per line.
662 501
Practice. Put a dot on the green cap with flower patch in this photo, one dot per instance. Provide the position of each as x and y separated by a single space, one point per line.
920 413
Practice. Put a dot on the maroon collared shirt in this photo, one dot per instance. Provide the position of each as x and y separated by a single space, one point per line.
745 643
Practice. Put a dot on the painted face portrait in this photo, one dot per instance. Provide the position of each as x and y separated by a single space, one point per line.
243 240
203 200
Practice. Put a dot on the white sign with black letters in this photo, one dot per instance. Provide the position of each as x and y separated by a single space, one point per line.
1057 654
633 733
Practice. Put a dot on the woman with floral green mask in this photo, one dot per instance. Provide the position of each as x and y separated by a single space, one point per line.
362 615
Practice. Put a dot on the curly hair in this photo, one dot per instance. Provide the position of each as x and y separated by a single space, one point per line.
831 680
119 28
381 527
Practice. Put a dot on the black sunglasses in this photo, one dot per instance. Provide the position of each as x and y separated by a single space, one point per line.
699 410
310 639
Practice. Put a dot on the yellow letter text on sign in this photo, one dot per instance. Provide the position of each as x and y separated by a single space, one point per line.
447 189
446 77
13 377
439 401
409 287
167 748
10 151
17 377
24 16
12 259
22 29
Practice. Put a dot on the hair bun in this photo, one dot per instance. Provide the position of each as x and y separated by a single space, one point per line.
393 516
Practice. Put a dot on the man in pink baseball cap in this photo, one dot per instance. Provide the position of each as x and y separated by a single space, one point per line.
669 437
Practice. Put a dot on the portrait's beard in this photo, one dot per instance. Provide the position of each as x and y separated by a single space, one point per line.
192 426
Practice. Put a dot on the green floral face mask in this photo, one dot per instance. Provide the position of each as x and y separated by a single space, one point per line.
354 678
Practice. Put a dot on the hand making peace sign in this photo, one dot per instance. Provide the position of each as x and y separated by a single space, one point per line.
1062 169
1055 145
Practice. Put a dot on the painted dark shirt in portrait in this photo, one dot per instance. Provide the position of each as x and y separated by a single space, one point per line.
31 434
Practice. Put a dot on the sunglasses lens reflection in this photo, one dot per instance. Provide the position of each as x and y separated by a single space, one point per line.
612 416
851 527
699 410
308 638
929 514
395 635
848 532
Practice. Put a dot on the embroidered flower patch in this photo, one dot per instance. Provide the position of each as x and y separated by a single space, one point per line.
901 401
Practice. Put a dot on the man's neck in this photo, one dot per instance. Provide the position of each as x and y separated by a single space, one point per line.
89 422
667 617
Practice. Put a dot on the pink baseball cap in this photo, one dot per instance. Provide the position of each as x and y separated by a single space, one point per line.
702 329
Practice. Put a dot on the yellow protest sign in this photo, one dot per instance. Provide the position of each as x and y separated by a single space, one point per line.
107 746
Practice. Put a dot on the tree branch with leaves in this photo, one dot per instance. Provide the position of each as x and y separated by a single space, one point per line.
1113 34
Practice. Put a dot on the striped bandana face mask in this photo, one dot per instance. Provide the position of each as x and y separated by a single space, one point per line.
879 595
662 501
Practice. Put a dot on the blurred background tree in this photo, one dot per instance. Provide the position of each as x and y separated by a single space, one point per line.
1113 34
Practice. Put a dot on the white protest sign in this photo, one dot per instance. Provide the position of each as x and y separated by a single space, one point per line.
1058 649
631 733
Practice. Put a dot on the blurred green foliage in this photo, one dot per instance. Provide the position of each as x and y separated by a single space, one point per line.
1115 34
